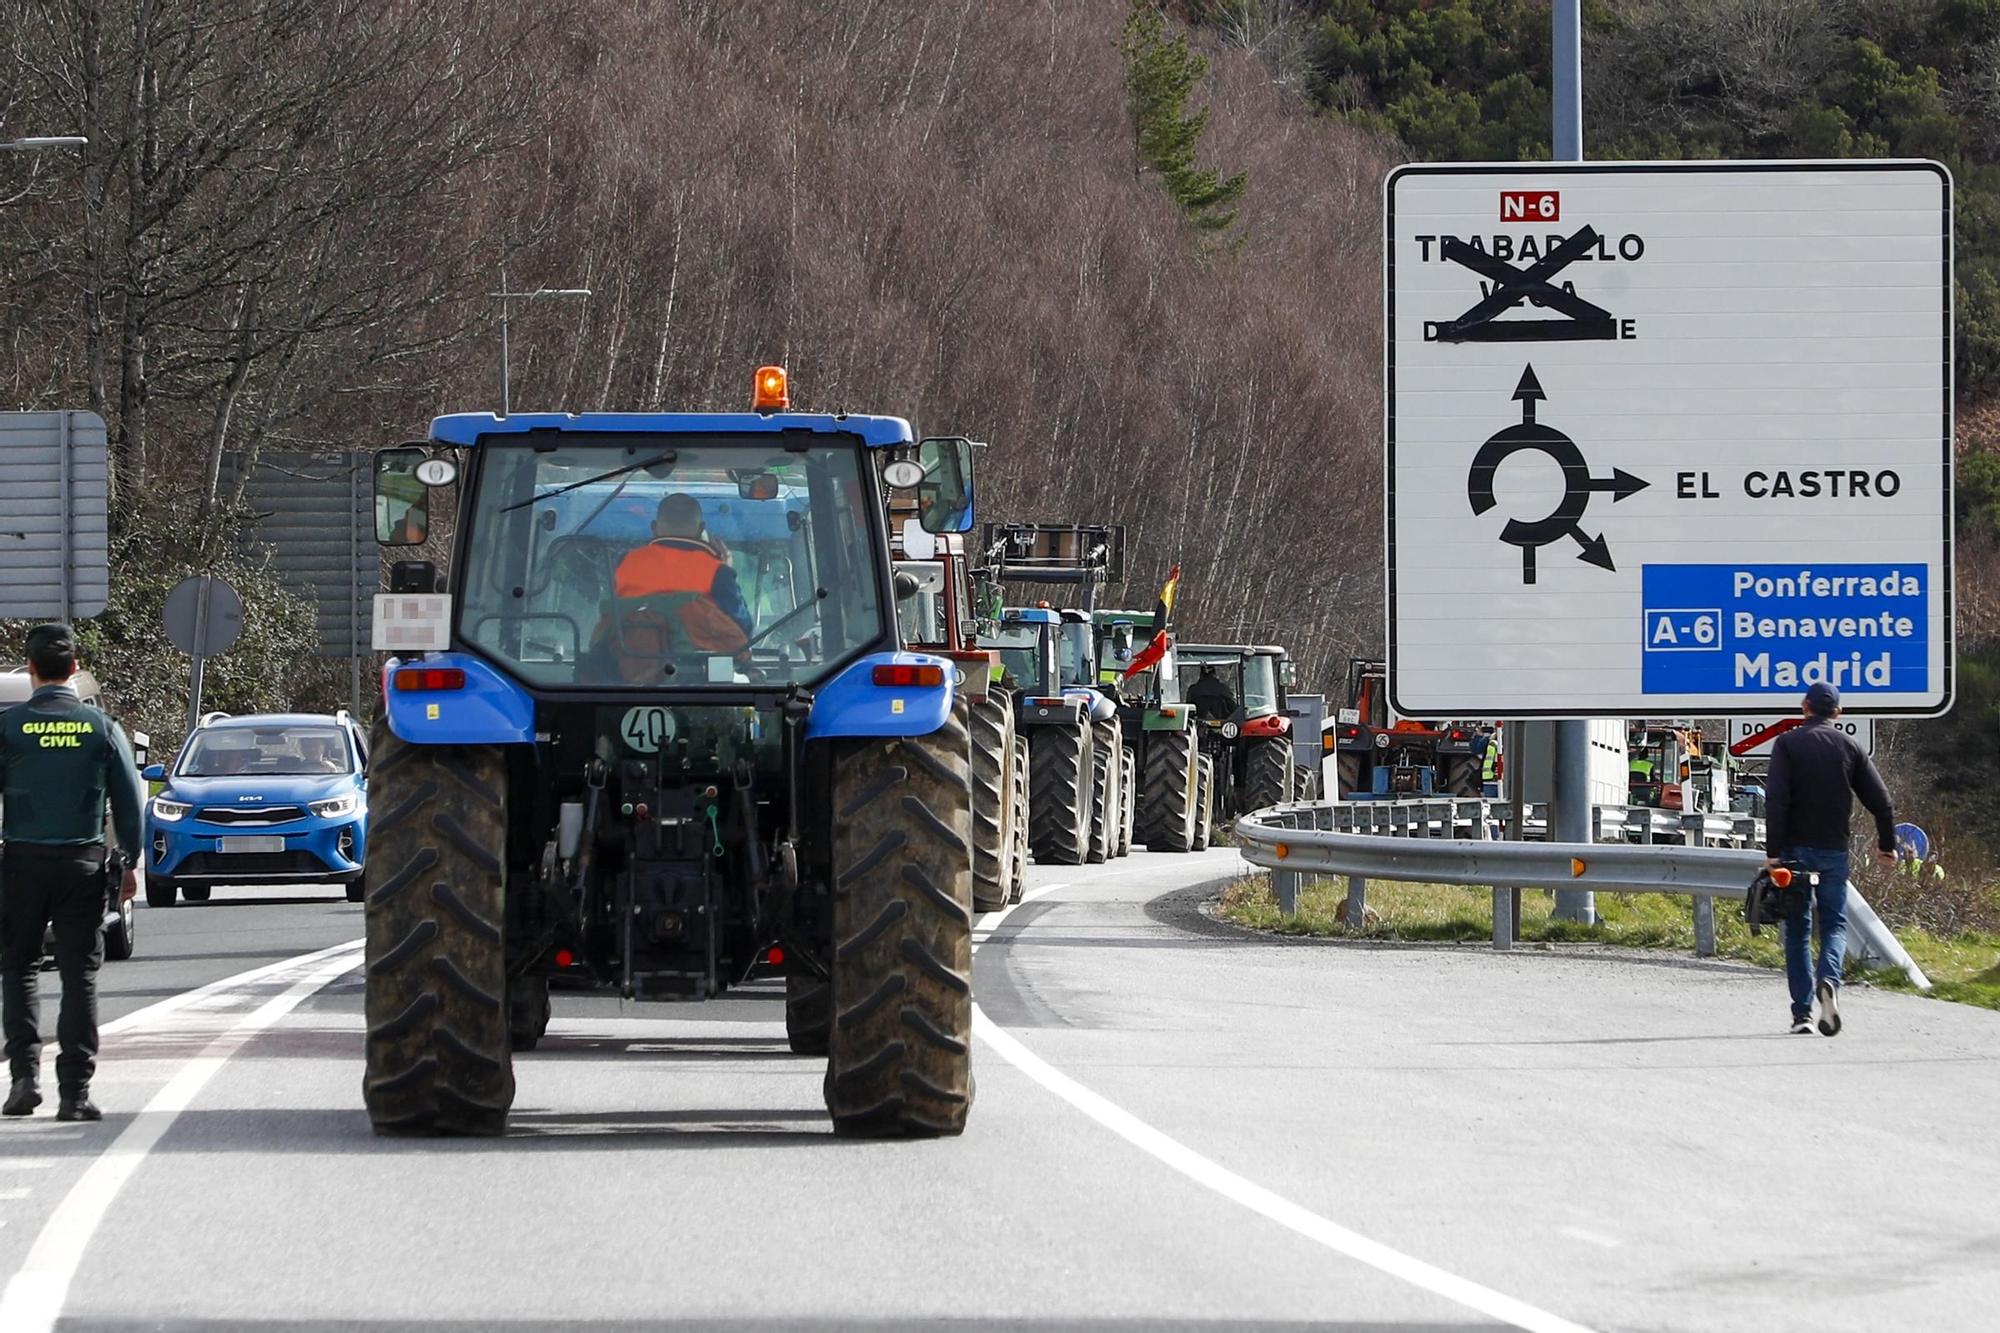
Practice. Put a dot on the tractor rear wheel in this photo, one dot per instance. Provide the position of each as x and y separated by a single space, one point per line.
1204 805
992 725
808 1012
1059 795
1348 769
1167 798
528 1011
1018 832
1267 773
1128 793
900 1056
1305 784
1106 800
439 1058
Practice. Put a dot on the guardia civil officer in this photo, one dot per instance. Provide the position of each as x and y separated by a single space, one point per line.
1816 772
60 760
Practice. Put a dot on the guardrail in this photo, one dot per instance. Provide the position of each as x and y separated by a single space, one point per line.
1418 841
1450 817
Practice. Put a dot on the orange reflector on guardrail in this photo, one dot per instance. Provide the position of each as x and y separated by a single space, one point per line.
1281 851
1576 868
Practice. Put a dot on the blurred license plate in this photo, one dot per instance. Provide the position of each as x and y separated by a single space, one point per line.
265 843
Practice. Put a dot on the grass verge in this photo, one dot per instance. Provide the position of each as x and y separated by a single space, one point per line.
1964 968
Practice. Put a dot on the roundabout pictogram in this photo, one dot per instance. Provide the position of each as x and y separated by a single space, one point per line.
1566 519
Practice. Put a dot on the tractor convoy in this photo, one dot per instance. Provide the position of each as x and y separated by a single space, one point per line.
700 699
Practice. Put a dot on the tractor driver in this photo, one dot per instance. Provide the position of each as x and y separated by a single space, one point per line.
682 558
1210 697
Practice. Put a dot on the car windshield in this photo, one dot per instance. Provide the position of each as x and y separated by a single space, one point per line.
1020 653
921 615
221 752
616 561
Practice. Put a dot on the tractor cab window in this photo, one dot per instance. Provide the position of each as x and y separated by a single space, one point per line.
616 561
1020 653
1260 685
1228 670
1074 653
921 611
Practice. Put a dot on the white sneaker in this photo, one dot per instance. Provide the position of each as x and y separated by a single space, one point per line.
1829 1009
1802 1027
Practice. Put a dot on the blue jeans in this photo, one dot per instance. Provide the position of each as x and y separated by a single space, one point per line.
1831 899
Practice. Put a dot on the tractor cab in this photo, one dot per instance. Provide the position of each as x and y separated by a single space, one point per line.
666 648
1237 692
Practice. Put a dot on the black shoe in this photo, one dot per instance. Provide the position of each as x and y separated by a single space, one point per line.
1829 1009
23 1098
1802 1027
78 1107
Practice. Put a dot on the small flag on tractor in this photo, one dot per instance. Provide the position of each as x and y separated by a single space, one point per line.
1163 615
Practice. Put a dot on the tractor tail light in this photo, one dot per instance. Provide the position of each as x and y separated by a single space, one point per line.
908 676
772 393
1782 877
412 680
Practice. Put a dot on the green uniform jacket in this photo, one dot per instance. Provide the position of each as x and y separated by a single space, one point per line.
60 759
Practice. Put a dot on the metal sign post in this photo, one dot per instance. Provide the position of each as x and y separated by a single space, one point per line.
1569 813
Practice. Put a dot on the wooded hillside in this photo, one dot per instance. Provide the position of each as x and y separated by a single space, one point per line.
999 220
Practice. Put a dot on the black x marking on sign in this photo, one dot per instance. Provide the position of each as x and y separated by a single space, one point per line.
1512 286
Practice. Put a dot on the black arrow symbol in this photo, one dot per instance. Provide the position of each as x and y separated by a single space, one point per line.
1596 551
1620 483
1527 393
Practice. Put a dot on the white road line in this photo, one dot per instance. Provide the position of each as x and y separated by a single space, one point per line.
26 1163
15 1194
34 1297
1590 1237
1214 1176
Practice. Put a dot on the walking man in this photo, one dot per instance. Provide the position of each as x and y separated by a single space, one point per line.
60 760
1816 771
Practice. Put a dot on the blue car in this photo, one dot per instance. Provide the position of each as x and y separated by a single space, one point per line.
272 798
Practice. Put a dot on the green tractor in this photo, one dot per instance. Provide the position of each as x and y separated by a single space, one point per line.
1238 694
655 733
1174 793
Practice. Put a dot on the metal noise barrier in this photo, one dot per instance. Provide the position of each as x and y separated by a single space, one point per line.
1305 839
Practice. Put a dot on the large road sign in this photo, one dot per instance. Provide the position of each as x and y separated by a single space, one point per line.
54 494
1668 440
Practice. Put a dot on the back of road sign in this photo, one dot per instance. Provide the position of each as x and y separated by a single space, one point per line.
54 488
1668 439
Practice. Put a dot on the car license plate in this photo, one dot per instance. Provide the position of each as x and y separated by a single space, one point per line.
264 843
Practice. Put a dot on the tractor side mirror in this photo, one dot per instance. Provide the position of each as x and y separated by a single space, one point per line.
944 497
402 501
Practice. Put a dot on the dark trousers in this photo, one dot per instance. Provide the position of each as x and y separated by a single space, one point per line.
66 891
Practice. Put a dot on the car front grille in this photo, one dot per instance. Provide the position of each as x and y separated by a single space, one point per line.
249 816
217 864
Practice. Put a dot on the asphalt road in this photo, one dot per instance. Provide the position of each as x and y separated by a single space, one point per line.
1177 1126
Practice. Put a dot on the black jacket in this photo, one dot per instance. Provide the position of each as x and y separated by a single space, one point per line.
1816 771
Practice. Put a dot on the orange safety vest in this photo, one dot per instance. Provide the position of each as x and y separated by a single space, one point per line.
671 564
665 567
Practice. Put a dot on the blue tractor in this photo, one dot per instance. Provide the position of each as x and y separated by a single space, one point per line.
1079 776
654 732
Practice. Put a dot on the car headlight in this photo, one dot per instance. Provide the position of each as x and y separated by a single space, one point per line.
335 808
170 811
